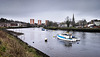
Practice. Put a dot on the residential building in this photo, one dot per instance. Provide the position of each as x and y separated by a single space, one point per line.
31 21
46 22
39 22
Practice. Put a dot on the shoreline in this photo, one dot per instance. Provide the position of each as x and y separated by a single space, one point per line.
40 53
75 29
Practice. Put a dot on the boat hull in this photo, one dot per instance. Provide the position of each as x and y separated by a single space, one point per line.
67 39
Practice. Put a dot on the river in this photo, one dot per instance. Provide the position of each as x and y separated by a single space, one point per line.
88 46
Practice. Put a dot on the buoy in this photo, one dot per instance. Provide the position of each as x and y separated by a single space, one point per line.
77 42
46 39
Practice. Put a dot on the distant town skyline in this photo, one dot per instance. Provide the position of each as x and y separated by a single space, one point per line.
54 10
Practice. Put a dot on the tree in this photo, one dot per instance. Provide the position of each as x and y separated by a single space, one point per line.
84 22
68 21
49 23
55 24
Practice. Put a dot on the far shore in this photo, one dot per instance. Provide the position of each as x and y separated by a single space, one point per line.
74 29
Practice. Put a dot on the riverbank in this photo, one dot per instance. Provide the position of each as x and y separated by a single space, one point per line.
12 46
75 29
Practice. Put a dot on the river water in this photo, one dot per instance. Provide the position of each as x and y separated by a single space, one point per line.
88 46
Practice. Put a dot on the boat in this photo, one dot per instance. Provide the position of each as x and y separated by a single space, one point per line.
67 37
43 29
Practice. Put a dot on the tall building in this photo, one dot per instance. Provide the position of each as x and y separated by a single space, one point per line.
39 22
31 21
46 22
73 21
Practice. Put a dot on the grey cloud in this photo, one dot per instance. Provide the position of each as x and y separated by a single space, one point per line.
28 7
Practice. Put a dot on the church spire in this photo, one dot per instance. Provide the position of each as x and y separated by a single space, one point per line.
73 21
73 18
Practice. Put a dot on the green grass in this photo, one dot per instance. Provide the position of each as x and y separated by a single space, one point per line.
11 46
3 48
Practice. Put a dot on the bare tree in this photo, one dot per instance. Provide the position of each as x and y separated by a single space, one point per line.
68 21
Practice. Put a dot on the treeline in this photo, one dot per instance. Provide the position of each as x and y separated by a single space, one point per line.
53 24
4 20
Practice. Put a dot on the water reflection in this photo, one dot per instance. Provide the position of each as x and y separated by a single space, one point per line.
83 35
67 44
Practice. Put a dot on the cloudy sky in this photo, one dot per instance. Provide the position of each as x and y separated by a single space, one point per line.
54 10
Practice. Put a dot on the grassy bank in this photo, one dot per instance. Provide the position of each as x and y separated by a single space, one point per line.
10 46
75 29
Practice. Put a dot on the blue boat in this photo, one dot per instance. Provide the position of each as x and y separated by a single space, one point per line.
67 37
43 29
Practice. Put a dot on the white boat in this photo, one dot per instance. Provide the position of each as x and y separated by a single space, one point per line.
67 37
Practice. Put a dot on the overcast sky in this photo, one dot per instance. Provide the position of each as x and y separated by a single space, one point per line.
54 10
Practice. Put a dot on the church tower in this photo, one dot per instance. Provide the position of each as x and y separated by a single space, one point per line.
73 21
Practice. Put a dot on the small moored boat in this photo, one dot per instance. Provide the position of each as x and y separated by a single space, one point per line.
67 36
